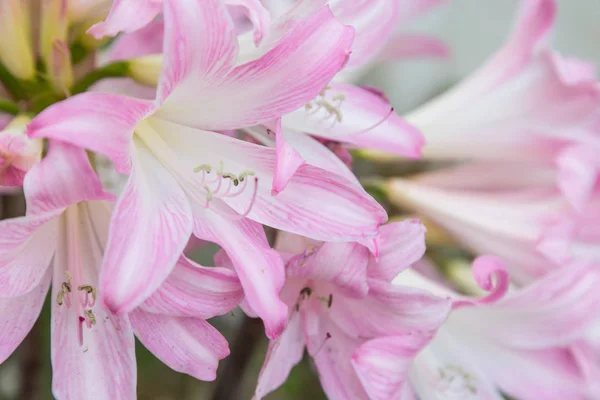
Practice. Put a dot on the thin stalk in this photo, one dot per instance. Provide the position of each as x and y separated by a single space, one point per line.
115 69
9 107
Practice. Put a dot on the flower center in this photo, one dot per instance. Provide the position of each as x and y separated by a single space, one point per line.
86 299
331 108
454 381
226 185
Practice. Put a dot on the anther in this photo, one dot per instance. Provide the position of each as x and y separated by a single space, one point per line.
306 291
91 318
244 174
90 291
204 167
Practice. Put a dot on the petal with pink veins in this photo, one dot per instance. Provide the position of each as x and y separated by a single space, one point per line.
260 268
283 354
64 177
359 117
315 203
390 310
192 290
126 16
374 21
150 227
382 364
342 264
400 244
188 345
331 349
101 122
95 359
200 48
18 316
288 76
26 248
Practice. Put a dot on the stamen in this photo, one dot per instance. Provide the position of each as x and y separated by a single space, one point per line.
327 337
252 201
80 330
204 168
90 291
389 114
246 173
209 196
91 318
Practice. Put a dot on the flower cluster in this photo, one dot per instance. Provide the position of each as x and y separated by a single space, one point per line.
135 127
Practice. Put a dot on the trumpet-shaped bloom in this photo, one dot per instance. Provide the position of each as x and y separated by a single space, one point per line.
62 240
527 103
527 344
184 179
340 298
511 211
18 153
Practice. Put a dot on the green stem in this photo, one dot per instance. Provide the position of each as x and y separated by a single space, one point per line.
8 107
11 84
115 69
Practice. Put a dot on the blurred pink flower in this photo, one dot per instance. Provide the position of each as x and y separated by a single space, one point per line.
185 179
528 344
62 240
340 298
18 153
526 104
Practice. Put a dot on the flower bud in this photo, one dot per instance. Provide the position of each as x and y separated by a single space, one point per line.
60 70
18 153
146 69
53 26
16 52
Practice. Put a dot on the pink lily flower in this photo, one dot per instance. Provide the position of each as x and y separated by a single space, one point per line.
184 178
340 298
527 344
512 211
18 153
527 103
62 240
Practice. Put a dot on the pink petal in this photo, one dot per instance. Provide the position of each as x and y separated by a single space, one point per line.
382 364
287 162
103 364
389 310
578 173
200 47
27 245
407 46
18 316
283 354
553 311
150 227
343 265
374 21
260 269
296 148
145 41
188 345
284 79
126 16
101 122
331 349
400 244
64 177
315 203
491 275
257 14
357 116
192 290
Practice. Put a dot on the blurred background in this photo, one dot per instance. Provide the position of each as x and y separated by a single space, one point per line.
473 29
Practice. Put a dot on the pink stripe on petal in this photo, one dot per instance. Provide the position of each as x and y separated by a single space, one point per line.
150 227
188 345
101 122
